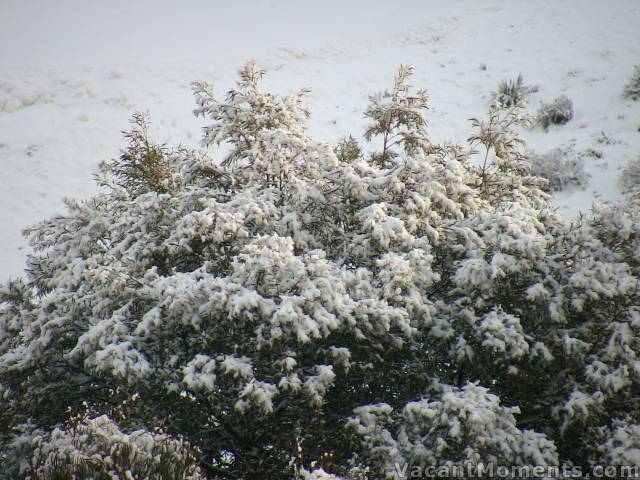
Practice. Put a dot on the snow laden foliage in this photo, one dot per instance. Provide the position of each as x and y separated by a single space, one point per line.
620 443
97 448
452 426
290 310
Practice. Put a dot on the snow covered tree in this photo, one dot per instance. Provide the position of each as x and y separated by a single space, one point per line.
293 311
142 166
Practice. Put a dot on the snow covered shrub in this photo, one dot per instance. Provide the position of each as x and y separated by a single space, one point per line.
513 92
561 167
629 178
632 88
558 112
292 310
97 448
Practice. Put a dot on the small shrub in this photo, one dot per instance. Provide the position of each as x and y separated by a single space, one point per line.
632 88
629 180
562 168
558 112
348 149
513 92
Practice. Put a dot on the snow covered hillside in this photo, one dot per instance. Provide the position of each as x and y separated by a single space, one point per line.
72 72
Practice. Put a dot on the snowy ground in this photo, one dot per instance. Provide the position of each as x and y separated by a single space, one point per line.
71 73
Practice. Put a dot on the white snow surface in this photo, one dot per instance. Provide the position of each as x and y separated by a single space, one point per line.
73 71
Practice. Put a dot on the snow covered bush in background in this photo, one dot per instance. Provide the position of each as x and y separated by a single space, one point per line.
629 179
513 92
558 112
632 88
291 310
562 167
